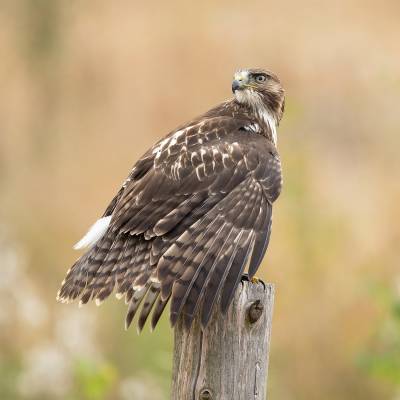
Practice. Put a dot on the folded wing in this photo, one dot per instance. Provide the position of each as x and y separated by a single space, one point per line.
195 209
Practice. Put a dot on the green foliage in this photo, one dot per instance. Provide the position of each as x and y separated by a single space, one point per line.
8 376
42 21
93 381
382 359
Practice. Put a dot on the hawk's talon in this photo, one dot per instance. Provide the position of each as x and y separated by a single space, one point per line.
254 279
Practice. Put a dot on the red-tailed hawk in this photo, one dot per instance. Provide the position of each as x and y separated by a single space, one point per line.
195 209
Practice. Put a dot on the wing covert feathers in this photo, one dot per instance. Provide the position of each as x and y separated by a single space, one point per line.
194 212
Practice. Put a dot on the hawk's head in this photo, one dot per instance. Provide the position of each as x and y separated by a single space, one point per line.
260 90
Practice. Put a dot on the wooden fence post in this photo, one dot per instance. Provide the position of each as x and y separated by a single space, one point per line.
229 359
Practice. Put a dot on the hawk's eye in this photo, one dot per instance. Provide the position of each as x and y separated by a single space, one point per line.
261 78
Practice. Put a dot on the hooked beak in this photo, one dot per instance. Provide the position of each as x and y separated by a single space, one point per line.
236 85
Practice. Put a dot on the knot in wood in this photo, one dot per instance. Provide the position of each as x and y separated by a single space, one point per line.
205 394
255 311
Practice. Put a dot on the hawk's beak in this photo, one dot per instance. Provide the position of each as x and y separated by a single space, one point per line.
240 80
236 85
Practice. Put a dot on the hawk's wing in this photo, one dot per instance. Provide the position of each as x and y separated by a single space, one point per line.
194 210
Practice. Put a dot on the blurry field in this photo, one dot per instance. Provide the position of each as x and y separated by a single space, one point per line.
87 87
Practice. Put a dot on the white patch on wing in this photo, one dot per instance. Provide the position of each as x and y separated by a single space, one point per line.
193 155
200 176
202 154
179 133
252 128
225 157
200 130
169 141
160 146
96 232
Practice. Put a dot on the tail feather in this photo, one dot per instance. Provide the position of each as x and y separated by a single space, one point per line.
262 240
134 304
158 310
217 279
81 274
199 286
177 258
148 304
204 248
96 284
236 271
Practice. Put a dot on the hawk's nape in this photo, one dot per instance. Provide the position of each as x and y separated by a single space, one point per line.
195 210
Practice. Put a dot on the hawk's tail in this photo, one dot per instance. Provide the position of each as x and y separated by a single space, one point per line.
121 263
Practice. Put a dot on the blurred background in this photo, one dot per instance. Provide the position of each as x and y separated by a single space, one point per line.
88 87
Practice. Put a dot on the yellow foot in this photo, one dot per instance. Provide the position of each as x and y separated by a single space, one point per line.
254 279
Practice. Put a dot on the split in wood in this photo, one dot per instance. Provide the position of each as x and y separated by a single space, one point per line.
205 394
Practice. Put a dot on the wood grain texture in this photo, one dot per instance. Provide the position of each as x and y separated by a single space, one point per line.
229 359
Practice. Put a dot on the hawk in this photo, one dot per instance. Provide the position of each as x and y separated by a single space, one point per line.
193 212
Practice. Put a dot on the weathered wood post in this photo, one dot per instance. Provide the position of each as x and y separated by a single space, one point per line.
229 359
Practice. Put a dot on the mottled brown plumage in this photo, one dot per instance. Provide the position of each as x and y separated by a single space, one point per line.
194 211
